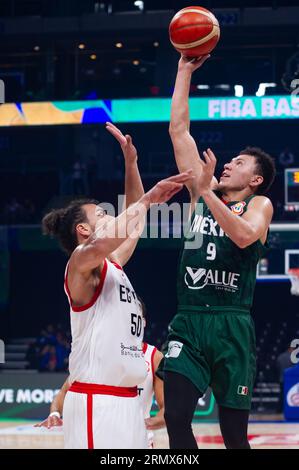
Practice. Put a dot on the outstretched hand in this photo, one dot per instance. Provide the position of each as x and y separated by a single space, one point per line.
155 423
167 188
50 422
186 63
208 170
125 141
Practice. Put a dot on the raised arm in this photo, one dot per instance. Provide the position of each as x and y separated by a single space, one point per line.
185 149
133 189
110 234
133 183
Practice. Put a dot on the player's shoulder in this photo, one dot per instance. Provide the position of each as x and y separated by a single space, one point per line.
260 201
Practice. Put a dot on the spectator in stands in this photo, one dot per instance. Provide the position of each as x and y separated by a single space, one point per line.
41 339
62 349
283 362
51 349
47 336
12 212
48 359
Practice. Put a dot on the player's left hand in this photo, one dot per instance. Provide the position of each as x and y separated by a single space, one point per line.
125 141
154 423
168 187
208 170
50 422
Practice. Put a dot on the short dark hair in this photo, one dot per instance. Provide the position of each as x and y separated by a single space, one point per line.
61 223
265 166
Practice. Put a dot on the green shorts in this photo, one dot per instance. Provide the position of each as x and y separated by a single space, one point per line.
215 349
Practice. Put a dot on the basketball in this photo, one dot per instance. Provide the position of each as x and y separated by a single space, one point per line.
194 31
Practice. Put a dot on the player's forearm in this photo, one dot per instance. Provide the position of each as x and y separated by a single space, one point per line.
127 248
133 184
238 229
108 237
180 117
57 403
134 191
160 420
157 421
184 146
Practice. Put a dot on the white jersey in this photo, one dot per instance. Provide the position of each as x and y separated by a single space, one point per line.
107 333
146 389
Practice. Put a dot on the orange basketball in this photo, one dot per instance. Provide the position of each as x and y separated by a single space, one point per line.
194 31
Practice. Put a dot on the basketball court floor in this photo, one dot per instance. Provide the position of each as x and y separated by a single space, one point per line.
265 432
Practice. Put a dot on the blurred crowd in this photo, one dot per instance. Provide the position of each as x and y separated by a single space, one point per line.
50 350
16 212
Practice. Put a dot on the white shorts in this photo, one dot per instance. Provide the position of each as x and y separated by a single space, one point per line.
96 421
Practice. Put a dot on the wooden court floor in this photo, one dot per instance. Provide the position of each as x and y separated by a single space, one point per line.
263 434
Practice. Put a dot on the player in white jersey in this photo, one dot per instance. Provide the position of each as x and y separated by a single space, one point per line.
150 387
101 409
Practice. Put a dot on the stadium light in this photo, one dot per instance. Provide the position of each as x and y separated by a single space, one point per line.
223 86
139 4
203 87
239 91
262 88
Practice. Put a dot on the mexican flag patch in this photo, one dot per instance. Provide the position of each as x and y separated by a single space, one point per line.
242 390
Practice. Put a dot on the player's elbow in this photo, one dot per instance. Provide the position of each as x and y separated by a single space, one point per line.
245 239
242 242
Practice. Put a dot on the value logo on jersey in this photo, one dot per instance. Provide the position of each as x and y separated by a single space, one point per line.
238 208
198 278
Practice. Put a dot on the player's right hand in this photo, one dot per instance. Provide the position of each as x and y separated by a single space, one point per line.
190 64
125 141
167 188
50 422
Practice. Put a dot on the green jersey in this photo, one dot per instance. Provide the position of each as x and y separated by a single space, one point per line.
213 270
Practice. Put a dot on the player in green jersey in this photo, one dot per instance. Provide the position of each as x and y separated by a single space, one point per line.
211 339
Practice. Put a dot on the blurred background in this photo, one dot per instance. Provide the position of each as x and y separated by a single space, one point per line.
71 62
